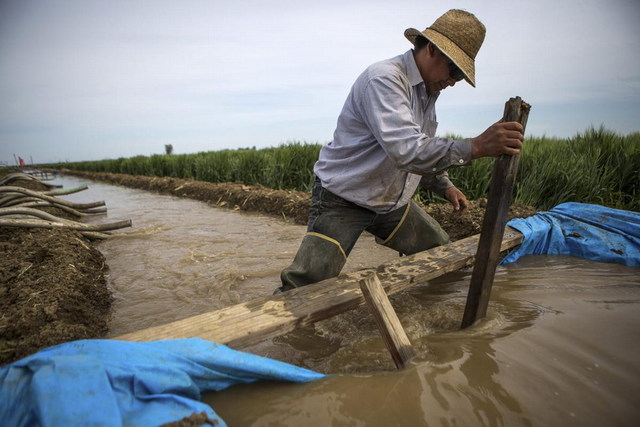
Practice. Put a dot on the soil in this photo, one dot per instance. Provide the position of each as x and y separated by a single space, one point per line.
53 286
193 420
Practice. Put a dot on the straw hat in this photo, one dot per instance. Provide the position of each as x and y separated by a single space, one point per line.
457 34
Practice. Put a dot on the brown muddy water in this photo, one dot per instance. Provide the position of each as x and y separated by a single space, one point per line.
560 347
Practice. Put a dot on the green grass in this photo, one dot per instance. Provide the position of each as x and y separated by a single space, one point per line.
597 166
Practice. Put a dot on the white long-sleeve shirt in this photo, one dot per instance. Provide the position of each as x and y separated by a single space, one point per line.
384 143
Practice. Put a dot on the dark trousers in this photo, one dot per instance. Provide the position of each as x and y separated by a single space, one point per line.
335 225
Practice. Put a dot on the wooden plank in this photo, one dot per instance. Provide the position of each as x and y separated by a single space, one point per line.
494 222
393 335
250 322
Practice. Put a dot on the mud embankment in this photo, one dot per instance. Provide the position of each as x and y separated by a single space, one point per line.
53 287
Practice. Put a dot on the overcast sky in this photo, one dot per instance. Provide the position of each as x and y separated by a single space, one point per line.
96 79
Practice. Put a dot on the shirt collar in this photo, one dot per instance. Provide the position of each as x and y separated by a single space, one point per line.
414 74
412 69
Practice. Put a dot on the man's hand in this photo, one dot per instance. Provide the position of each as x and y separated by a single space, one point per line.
500 138
456 198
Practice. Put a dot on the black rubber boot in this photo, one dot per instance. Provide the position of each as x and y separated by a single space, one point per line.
416 232
319 257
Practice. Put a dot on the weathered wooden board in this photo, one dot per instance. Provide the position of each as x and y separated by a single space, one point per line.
393 334
495 219
248 323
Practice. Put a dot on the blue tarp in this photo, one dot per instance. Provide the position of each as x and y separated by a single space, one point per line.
115 383
583 230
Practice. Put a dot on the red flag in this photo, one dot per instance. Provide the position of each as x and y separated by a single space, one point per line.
22 164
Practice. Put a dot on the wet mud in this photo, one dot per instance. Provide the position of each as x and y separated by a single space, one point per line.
53 288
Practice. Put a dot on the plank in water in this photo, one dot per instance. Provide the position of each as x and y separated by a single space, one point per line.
247 323
393 335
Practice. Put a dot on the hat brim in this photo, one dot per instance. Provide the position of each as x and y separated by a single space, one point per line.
450 50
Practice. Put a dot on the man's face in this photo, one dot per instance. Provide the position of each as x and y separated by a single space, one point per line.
440 72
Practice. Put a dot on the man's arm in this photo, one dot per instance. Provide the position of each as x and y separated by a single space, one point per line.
437 183
500 138
456 198
443 187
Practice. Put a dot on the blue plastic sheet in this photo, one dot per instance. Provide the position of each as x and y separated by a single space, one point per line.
116 383
583 230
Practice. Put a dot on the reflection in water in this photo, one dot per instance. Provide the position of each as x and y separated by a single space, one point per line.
559 348
560 345
487 397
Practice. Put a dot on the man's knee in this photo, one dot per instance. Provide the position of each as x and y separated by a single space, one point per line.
318 258
416 232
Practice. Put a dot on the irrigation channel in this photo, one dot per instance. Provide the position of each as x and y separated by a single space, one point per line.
560 345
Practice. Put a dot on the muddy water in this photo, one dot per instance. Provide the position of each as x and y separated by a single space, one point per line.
561 344
184 257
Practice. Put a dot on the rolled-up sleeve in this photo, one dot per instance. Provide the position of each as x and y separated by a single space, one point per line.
386 105
436 183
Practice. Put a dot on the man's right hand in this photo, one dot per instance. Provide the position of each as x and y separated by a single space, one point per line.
500 138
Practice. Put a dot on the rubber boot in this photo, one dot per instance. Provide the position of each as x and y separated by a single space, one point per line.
319 257
416 232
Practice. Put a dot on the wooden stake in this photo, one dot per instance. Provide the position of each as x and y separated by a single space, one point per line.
495 219
390 327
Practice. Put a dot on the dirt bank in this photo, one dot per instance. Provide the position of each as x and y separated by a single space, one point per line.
52 288
52 282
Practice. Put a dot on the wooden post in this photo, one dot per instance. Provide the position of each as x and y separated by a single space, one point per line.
495 219
391 330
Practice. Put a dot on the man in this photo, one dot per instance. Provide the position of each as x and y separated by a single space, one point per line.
384 147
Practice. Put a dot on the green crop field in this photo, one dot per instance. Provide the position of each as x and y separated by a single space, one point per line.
597 166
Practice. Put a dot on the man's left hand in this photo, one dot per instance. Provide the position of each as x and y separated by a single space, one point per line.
456 198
